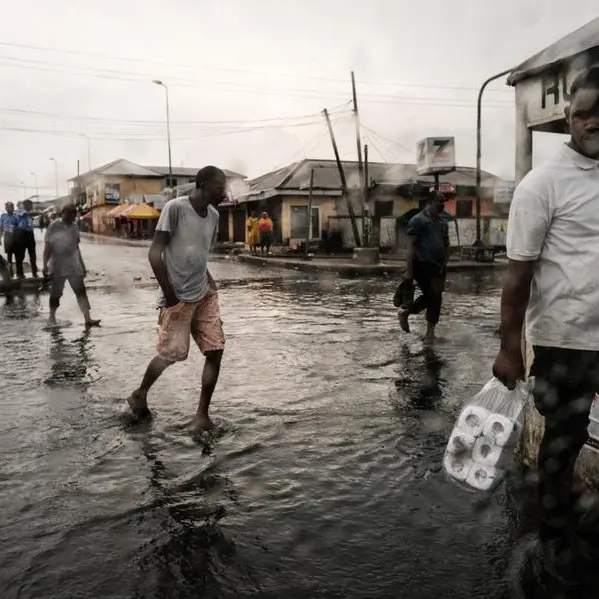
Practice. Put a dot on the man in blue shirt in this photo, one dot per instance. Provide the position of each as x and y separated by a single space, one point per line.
25 240
8 223
428 253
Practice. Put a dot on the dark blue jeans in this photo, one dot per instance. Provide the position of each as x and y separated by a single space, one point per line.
431 280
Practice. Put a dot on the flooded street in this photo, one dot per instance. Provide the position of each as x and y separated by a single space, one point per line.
323 481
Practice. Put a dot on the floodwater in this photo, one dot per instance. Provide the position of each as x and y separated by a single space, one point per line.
323 481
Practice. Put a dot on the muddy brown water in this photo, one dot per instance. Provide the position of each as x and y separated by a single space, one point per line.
323 479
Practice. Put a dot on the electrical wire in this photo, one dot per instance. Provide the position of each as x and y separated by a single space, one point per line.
236 70
136 77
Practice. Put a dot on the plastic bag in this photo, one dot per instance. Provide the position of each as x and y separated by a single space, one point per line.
483 441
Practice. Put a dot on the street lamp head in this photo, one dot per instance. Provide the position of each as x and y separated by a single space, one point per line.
157 82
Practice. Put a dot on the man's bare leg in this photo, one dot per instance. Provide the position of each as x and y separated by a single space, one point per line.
202 421
138 400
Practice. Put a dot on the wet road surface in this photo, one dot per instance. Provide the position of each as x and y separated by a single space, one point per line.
322 481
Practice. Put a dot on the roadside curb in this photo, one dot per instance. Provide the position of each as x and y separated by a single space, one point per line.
357 270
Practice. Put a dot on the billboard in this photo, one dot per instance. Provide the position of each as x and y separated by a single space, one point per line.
112 193
435 155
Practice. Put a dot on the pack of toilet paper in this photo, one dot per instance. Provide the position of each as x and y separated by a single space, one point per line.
482 443
593 428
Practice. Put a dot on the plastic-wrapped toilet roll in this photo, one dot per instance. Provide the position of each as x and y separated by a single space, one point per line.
457 467
483 478
501 430
460 443
472 420
486 453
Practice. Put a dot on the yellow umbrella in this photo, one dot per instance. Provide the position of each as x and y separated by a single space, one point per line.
141 212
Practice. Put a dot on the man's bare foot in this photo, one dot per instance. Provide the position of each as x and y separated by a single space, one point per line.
403 321
429 338
202 423
138 404
92 323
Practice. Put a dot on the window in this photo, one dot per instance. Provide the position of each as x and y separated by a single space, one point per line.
463 209
299 223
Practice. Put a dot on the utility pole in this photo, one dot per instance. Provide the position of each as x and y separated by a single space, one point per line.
350 208
309 234
360 164
367 223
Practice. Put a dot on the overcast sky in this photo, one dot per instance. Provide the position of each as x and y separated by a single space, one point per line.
248 79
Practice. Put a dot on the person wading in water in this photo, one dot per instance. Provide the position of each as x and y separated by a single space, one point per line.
188 303
552 283
63 262
426 262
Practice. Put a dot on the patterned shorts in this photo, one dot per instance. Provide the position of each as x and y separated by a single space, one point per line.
199 320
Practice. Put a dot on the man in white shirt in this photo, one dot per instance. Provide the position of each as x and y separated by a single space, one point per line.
553 284
188 301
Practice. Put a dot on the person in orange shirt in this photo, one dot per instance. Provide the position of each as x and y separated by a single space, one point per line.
253 232
265 226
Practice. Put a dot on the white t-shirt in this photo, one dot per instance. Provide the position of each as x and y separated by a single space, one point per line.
186 256
63 240
554 220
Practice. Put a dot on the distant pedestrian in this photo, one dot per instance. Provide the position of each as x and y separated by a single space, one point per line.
189 307
8 223
265 226
253 232
63 262
25 240
426 262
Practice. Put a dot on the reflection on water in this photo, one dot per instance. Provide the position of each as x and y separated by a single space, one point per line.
324 479
70 360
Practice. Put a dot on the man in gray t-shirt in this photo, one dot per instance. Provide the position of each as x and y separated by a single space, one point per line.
63 262
188 300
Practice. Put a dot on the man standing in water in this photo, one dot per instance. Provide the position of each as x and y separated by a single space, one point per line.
552 282
8 223
25 240
189 300
426 262
63 262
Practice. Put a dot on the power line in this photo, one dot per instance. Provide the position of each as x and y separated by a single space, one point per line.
304 93
151 137
285 119
236 70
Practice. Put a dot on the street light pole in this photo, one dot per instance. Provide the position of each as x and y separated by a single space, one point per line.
168 131
55 176
479 150
37 190
24 190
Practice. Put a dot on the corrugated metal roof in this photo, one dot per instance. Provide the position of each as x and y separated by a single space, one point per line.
326 176
121 168
581 40
184 171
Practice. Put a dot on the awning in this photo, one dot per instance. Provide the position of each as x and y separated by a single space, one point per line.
141 212
117 210
87 216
